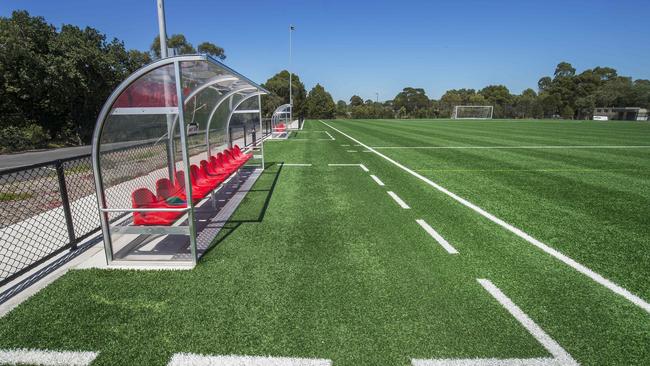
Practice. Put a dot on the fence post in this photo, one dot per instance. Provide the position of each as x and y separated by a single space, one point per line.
63 189
230 137
244 133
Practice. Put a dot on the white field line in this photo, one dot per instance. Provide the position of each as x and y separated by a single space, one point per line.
399 201
46 358
363 167
331 137
444 243
190 359
351 151
296 164
547 249
377 180
560 356
520 147
345 145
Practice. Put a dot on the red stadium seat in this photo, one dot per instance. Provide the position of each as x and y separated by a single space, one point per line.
207 169
199 177
217 168
240 153
144 198
198 192
165 190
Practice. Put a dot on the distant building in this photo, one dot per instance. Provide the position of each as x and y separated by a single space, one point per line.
621 114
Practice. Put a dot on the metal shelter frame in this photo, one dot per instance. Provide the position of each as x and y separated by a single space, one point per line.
281 121
143 112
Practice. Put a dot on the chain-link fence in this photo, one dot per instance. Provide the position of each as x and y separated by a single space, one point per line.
50 207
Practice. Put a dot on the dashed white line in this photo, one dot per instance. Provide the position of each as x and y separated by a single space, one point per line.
399 201
547 249
191 359
363 167
444 243
331 137
296 165
351 151
377 180
46 358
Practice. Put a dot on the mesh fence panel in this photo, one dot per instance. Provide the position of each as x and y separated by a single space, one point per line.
32 220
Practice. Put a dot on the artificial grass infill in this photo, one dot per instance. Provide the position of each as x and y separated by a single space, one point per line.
320 262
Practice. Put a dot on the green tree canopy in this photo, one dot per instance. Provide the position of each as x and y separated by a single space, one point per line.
278 85
356 100
319 103
55 82
184 47
412 99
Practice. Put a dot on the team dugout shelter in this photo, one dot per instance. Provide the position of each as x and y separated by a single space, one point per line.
174 149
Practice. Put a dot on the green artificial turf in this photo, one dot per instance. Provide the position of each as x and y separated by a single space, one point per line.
319 261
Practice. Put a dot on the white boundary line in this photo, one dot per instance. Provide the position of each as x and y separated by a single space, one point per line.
444 243
351 151
296 165
399 201
560 356
331 137
377 180
547 249
363 167
191 359
46 358
520 147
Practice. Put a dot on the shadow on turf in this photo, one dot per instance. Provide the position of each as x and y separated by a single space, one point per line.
233 224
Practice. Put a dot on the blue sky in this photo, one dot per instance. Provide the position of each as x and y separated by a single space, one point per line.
364 47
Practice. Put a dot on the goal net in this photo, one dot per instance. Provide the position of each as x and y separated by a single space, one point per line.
472 112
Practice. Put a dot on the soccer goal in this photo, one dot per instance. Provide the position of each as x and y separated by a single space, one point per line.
472 112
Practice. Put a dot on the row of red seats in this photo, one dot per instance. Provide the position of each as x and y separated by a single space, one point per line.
280 127
149 94
172 195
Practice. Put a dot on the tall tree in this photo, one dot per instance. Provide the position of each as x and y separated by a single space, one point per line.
278 85
356 100
319 103
412 99
212 50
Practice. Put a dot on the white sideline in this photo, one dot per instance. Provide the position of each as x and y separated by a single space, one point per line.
444 243
296 164
553 252
560 356
374 177
399 201
190 359
520 147
46 358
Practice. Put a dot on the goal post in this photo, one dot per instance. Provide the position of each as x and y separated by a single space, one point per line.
472 112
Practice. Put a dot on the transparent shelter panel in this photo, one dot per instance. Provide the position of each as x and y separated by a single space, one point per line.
134 157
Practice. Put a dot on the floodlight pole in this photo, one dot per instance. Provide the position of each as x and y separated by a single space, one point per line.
290 77
162 36
162 28
377 94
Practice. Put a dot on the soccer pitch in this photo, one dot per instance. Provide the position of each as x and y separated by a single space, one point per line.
390 242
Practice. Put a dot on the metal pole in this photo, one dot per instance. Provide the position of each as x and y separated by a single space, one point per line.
186 162
65 201
162 28
290 75
259 104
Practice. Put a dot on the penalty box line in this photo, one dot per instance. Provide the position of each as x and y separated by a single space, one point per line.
636 300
